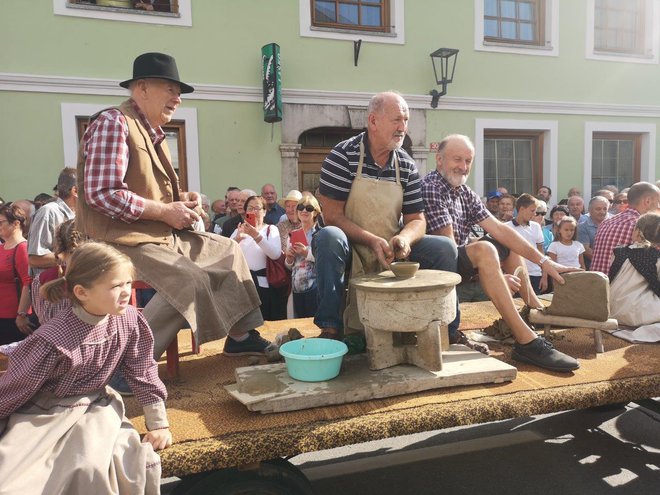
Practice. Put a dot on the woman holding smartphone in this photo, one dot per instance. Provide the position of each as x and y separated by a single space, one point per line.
300 261
258 241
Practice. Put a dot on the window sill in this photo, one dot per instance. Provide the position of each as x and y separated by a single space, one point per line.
547 50
358 32
183 18
119 10
633 58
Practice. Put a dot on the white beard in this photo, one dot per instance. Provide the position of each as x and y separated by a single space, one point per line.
454 180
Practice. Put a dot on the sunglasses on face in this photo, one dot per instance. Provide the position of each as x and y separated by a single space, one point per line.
544 213
308 208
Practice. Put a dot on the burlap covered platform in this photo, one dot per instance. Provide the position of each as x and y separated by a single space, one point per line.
212 430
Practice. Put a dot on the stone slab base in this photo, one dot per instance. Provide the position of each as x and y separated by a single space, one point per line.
269 388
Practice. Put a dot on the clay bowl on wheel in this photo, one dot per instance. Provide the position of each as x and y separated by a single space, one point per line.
404 269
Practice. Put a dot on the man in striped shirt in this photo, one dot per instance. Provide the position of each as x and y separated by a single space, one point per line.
372 208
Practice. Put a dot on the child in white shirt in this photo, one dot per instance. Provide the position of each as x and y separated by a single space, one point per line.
565 249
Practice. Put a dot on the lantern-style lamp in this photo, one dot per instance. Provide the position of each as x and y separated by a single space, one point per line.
444 63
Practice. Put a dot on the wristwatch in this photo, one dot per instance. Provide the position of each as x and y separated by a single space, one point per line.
543 259
22 313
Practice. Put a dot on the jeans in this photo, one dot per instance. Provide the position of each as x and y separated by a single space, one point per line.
333 254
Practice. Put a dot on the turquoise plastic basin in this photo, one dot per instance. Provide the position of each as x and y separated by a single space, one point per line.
313 360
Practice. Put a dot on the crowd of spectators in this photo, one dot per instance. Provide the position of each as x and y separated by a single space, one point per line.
566 231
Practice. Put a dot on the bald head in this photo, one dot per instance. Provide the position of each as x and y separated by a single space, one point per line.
455 139
644 197
380 101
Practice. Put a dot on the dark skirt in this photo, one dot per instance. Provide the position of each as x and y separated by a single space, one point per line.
273 301
9 332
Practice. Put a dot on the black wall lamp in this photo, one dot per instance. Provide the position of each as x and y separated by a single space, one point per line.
446 59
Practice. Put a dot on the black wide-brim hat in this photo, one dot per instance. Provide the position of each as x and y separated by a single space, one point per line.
159 66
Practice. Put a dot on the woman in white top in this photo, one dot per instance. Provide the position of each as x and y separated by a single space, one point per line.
258 241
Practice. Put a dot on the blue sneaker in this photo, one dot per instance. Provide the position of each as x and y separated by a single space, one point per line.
119 384
254 345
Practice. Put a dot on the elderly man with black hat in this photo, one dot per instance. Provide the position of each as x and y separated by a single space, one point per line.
130 197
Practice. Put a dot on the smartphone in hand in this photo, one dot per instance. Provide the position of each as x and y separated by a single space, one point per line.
298 235
251 218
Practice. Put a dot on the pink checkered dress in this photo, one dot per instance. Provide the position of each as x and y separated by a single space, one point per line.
69 357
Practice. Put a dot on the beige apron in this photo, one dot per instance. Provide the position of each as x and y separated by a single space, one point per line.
205 278
75 445
374 205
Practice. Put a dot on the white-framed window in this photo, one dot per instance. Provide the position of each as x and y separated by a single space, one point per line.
528 27
623 30
518 154
513 159
377 21
184 126
168 12
618 153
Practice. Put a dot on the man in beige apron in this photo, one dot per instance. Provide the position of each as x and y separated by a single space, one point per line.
373 212
129 196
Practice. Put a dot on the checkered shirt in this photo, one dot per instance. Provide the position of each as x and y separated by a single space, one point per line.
106 160
68 357
445 205
43 307
613 232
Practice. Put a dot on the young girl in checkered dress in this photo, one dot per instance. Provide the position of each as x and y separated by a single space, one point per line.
62 430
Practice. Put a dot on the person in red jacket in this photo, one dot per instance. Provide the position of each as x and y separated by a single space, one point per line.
14 278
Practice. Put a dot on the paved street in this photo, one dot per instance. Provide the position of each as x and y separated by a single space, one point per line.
614 450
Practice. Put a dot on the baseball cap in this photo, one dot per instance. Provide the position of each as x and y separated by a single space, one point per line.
494 194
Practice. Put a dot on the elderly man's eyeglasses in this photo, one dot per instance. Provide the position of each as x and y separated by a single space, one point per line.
308 208
254 208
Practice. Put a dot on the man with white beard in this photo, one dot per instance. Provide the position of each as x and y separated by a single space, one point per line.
451 208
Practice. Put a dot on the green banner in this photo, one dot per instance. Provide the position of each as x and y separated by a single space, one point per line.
272 82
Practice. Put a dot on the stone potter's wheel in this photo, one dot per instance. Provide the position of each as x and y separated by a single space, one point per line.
424 305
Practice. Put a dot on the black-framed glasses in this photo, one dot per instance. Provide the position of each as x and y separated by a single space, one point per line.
544 213
620 202
308 208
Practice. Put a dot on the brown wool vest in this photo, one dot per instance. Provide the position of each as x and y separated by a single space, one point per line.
149 175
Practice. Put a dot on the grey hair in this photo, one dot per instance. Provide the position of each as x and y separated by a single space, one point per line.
598 198
377 102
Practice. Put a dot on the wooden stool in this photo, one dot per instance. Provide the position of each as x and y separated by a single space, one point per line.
172 352
538 317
